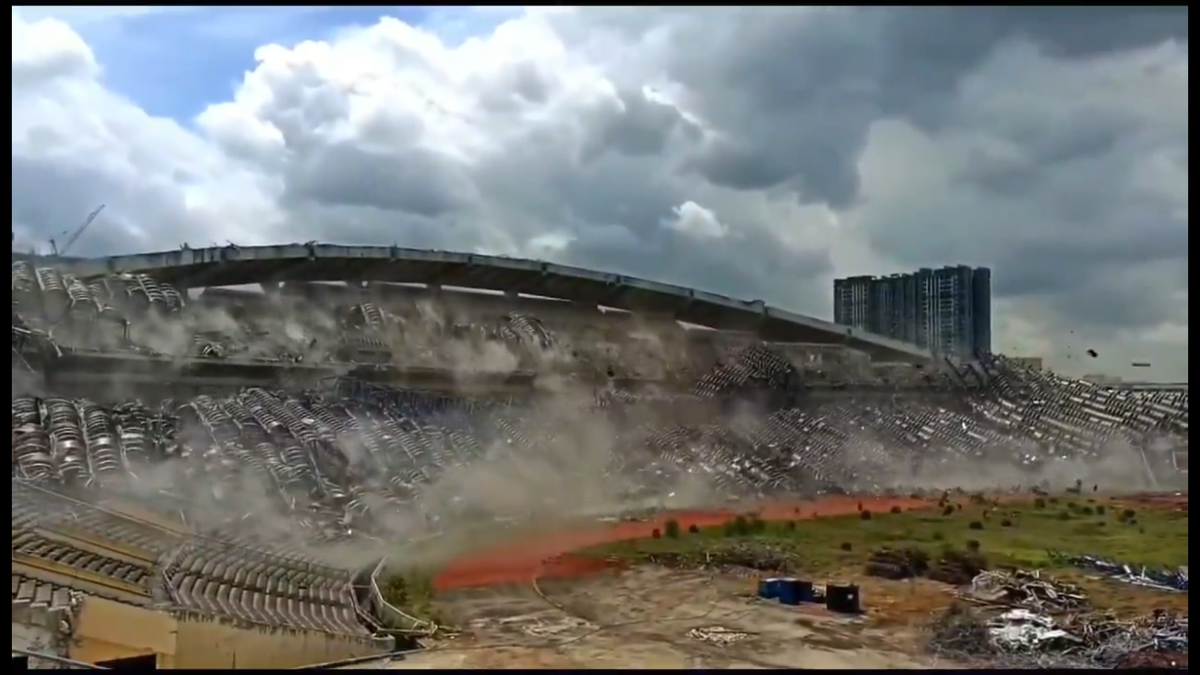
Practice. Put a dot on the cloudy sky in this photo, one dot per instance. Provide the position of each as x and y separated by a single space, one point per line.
757 152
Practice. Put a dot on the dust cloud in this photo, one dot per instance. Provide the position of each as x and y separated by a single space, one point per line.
561 458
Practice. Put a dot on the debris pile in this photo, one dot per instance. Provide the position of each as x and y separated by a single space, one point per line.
718 635
957 568
896 564
1026 590
1174 581
1021 630
1017 628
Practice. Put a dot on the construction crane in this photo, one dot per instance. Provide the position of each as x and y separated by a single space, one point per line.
76 234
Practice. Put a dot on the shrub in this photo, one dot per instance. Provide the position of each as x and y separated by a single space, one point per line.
1101 510
758 525
656 534
973 545
1054 500
738 527
1064 515
1128 514
405 590
865 515
938 536
693 529
975 525
1006 523
791 525
847 546
1102 523
672 529
1039 503
948 511
897 509
1087 511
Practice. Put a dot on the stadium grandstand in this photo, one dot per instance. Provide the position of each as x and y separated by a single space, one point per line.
218 446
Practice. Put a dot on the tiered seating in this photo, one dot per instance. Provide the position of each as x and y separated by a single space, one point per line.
1077 416
240 582
30 592
152 564
338 460
134 314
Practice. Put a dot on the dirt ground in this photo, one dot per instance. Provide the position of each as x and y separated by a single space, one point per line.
650 617
1178 500
532 603
550 556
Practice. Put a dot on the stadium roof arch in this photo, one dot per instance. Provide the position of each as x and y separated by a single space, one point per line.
233 265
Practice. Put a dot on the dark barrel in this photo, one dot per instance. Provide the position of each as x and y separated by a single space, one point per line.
807 592
843 599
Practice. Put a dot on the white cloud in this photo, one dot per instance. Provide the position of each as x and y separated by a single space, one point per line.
696 221
754 155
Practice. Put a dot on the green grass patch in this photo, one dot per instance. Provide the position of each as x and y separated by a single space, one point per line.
1019 535
412 592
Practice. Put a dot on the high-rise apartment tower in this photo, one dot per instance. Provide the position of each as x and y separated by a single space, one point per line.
947 310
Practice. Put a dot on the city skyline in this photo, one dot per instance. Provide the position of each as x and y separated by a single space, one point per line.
947 310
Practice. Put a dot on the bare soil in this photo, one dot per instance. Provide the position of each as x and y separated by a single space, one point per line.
532 603
651 617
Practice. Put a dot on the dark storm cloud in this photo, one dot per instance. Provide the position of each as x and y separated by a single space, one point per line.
801 89
1050 143
795 95
416 181
77 191
676 258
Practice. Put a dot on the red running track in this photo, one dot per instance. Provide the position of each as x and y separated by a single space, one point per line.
550 555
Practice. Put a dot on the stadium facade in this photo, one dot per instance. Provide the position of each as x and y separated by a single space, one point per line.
279 431
947 311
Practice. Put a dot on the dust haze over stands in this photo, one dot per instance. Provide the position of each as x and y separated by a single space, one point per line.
634 409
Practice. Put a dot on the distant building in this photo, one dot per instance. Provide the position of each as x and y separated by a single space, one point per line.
1101 378
1031 362
947 310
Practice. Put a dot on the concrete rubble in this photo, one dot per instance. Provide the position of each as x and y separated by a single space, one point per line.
1026 590
1022 620
1172 581
718 635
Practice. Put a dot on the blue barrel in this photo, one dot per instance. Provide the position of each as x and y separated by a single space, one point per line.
768 589
790 592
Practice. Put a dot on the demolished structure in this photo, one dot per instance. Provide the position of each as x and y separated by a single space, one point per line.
209 456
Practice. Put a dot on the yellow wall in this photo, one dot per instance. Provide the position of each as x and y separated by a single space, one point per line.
111 630
205 642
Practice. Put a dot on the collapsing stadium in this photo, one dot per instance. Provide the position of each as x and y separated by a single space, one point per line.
221 466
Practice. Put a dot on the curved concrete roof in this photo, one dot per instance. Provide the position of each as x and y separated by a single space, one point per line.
227 266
